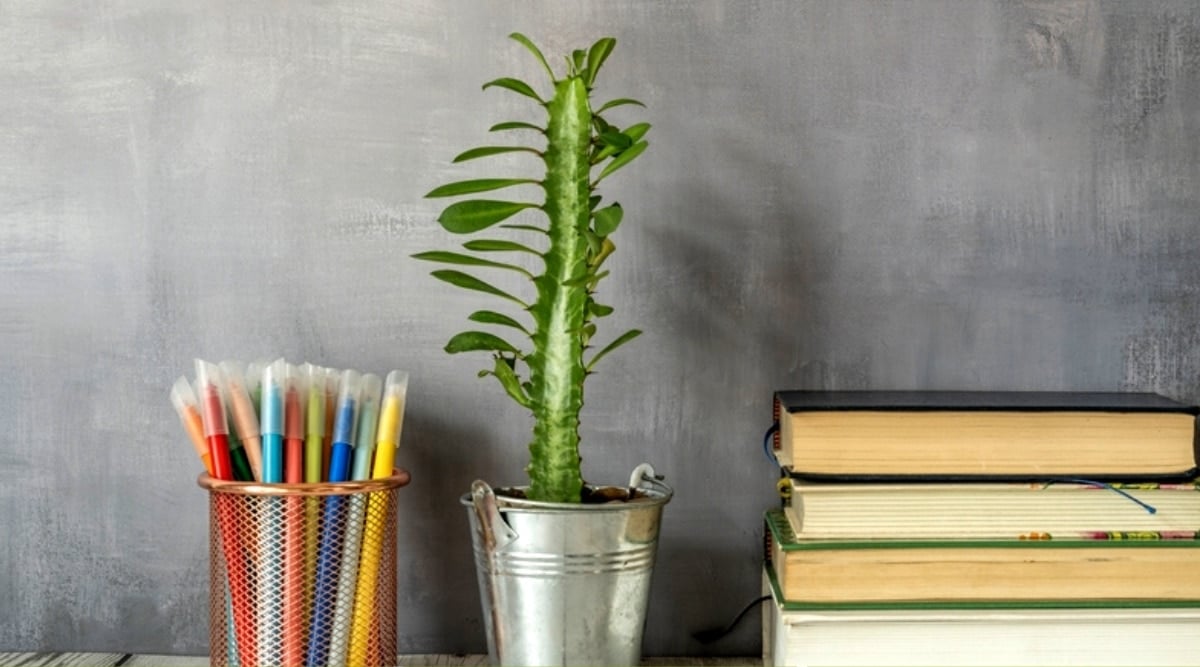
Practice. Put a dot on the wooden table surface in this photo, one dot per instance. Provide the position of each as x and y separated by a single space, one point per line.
147 660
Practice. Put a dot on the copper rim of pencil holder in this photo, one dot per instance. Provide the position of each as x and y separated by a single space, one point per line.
399 478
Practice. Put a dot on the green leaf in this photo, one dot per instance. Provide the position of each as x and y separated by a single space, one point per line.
515 85
466 281
474 341
607 219
477 185
637 131
616 139
537 53
616 103
624 338
607 248
465 260
579 58
492 317
496 245
470 216
593 202
599 310
484 151
596 57
515 125
624 158
526 228
511 383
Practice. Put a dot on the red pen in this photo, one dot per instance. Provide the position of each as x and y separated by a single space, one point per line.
294 600
293 418
212 411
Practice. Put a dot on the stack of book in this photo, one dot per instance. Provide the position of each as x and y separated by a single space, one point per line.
984 528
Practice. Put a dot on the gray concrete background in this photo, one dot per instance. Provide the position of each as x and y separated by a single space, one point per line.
838 194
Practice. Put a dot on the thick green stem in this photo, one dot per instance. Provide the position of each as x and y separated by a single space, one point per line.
557 370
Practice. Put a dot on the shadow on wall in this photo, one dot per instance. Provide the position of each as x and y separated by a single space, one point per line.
439 609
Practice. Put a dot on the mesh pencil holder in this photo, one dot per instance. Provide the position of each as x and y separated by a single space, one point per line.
302 574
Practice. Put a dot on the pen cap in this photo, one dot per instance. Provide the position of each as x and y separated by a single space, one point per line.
245 417
209 391
182 396
253 379
184 400
293 403
315 410
332 377
345 424
372 391
392 416
272 397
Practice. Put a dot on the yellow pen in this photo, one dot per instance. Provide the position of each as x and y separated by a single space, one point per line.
391 418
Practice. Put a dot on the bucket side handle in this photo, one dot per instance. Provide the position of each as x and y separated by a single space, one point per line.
644 477
496 532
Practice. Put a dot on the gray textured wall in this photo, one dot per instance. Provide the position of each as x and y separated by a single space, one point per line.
839 194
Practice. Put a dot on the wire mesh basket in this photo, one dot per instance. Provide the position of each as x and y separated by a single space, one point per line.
302 574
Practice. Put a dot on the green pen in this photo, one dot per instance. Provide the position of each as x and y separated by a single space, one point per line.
237 454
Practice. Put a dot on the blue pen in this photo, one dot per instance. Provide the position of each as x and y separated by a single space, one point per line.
344 427
272 421
368 420
270 600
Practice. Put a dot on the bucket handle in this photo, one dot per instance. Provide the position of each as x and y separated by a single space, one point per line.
495 531
644 477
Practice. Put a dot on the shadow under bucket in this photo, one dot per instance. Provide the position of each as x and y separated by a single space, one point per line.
563 583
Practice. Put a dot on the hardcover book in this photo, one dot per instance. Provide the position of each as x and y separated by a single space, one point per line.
931 636
1059 572
1029 510
984 435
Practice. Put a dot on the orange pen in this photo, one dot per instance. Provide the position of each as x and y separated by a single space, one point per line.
184 400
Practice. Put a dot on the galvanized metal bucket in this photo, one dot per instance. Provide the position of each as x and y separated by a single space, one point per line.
566 584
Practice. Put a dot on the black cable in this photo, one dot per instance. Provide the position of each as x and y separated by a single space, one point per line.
767 448
713 634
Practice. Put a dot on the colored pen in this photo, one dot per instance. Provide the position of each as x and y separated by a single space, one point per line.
245 416
315 418
237 453
345 424
272 421
370 390
293 546
372 393
208 379
184 400
332 378
391 419
293 457
212 413
270 601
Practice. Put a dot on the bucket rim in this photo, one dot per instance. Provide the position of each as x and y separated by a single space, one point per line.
656 496
400 477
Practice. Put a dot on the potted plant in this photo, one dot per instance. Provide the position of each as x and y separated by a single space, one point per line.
564 566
